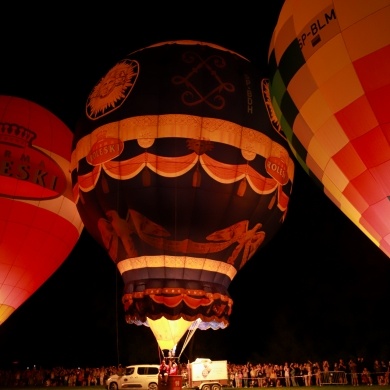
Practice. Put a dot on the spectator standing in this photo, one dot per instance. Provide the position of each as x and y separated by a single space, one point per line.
317 373
293 373
326 369
377 372
253 374
232 378
101 376
272 377
387 375
72 379
304 372
245 375
280 374
268 369
308 372
261 376
354 374
238 378
384 371
366 377
299 374
286 370
343 372
80 377
360 366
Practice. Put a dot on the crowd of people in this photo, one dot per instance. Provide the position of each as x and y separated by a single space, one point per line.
249 375
352 373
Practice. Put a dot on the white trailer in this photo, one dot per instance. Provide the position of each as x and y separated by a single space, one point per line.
205 374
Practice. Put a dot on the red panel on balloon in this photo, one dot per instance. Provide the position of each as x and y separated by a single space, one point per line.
39 221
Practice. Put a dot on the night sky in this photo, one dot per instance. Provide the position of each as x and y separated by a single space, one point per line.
319 290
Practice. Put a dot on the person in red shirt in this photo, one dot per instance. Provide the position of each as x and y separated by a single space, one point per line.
173 369
163 372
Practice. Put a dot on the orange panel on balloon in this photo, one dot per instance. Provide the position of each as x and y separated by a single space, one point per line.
330 87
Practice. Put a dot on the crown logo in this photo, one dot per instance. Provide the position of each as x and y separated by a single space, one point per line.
12 133
38 175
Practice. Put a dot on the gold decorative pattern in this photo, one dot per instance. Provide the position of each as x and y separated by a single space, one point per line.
184 126
185 262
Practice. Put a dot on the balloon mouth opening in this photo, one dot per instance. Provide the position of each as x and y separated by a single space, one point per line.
212 308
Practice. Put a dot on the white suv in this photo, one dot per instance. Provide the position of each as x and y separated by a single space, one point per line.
141 376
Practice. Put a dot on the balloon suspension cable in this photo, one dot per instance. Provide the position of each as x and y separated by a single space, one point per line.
191 331
107 189
116 316
161 354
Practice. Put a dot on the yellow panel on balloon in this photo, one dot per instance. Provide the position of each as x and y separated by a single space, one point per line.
168 332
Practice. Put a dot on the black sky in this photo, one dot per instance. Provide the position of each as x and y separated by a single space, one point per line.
319 289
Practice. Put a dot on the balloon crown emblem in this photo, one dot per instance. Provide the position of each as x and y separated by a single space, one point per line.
15 134
22 161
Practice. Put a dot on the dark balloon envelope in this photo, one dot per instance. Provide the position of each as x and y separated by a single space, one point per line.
181 172
39 221
330 87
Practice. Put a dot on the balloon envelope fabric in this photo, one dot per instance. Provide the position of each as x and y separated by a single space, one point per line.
330 88
181 174
39 221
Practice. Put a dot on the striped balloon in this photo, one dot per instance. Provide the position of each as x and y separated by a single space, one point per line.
181 174
330 88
